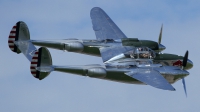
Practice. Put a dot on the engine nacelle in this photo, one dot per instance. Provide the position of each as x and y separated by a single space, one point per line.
74 46
97 72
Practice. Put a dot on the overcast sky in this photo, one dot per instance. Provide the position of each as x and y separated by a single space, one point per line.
61 19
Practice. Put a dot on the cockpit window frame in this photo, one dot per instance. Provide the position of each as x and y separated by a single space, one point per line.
142 53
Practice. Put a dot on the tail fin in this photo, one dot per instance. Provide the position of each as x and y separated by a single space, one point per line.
41 63
19 40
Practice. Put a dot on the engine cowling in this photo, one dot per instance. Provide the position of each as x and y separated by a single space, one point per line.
97 72
74 46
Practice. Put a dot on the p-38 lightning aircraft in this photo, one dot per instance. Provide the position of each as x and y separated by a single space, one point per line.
126 59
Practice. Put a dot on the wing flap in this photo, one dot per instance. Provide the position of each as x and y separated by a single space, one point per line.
152 78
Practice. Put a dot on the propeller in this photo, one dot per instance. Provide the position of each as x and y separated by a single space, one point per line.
160 36
160 46
184 86
185 58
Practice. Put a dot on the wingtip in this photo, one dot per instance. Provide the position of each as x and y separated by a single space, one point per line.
96 8
172 88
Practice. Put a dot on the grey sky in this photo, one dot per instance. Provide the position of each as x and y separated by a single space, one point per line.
60 19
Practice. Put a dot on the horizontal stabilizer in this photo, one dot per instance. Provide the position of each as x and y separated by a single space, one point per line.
152 78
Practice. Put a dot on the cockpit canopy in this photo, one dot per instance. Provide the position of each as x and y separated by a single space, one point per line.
141 53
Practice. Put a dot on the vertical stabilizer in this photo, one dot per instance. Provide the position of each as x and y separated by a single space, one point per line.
41 63
19 40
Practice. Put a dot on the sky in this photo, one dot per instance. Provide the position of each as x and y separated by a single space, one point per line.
62 19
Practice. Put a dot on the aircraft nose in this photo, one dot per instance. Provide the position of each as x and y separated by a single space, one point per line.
161 47
189 64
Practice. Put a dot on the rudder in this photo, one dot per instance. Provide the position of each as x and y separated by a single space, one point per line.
13 36
41 63
19 40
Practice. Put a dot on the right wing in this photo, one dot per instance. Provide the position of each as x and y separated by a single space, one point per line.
103 25
152 78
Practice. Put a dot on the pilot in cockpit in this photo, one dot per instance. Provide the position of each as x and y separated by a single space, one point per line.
142 52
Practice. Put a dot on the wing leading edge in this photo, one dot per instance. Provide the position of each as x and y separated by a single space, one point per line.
103 25
152 78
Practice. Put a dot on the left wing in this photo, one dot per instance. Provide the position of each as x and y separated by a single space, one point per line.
152 78
103 25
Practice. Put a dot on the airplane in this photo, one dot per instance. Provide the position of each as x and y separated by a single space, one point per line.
107 35
130 63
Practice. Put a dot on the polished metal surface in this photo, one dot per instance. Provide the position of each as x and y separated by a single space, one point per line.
161 47
103 25
127 60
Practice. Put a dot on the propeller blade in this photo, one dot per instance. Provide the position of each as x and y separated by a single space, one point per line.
185 59
184 86
160 36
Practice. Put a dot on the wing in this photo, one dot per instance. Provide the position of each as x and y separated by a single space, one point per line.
110 52
103 25
152 78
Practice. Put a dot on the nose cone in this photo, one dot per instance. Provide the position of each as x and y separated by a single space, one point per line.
161 47
189 65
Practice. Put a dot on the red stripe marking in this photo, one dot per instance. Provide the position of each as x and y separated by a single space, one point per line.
12 36
11 46
34 62
32 67
36 52
33 72
35 58
12 31
14 26
10 41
